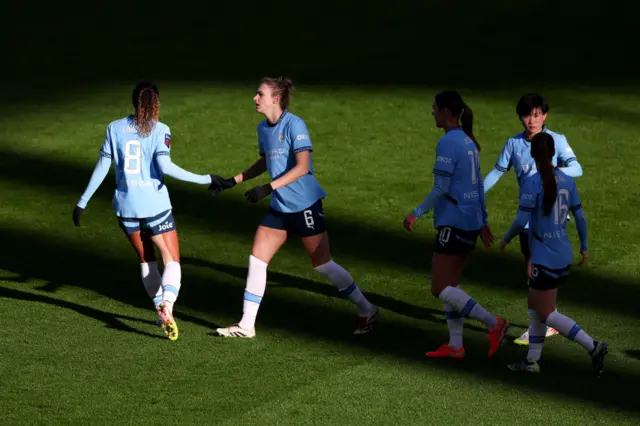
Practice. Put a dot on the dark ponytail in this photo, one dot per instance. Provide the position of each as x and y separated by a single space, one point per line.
542 151
452 101
146 101
466 121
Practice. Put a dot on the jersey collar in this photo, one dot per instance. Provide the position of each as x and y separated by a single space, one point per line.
285 112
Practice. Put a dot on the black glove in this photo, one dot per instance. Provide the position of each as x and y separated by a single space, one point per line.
218 184
77 212
257 193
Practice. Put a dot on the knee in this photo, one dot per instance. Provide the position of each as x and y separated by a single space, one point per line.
319 258
435 289
543 314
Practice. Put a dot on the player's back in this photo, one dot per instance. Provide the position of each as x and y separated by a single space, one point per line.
550 245
140 189
461 206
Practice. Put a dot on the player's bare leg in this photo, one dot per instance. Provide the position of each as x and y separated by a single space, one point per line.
169 247
446 273
266 243
523 340
542 309
151 278
317 247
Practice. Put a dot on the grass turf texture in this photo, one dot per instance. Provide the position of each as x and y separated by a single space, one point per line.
79 342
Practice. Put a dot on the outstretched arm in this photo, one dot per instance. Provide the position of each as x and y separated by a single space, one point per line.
169 168
99 173
255 170
502 165
492 178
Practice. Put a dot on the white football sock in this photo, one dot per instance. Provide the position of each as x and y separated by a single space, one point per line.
253 292
340 278
171 277
537 332
570 329
467 306
152 281
455 322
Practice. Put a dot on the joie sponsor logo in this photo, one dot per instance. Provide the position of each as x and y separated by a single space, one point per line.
166 226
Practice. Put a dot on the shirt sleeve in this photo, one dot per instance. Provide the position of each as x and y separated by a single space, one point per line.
567 159
300 136
445 159
576 203
528 199
168 168
163 144
106 150
565 154
97 177
440 187
491 179
504 159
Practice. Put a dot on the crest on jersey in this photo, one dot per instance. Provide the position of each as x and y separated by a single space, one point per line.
167 140
281 137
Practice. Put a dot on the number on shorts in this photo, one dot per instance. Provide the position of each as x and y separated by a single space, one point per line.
445 234
534 272
474 165
308 218
132 156
562 206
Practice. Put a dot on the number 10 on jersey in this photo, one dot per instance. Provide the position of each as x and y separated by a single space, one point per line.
132 156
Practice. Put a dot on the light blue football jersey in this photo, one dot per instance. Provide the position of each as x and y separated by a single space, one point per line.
280 143
516 153
457 158
140 189
548 239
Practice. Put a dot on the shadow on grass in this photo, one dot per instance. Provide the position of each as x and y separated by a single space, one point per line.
633 353
297 313
110 320
384 302
350 237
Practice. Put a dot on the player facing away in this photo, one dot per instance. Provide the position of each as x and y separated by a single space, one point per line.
460 216
545 200
139 145
296 207
532 110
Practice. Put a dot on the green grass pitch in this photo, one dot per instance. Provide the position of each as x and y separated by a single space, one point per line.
79 342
